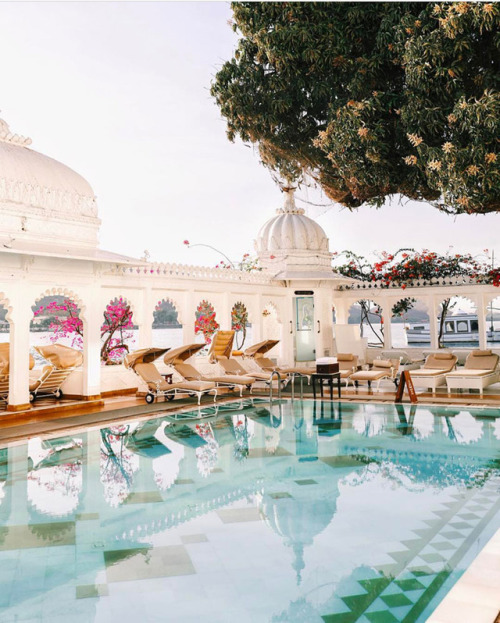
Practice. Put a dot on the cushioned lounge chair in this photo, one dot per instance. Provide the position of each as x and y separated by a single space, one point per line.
190 373
257 352
63 360
433 373
348 364
380 370
233 366
480 370
158 386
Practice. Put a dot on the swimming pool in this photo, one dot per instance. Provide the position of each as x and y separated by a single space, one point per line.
303 511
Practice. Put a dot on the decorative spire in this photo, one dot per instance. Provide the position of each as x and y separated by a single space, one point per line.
298 563
289 206
15 139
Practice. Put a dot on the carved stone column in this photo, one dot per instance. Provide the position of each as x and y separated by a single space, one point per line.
19 353
92 322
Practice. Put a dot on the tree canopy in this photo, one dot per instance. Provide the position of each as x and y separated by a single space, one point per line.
371 99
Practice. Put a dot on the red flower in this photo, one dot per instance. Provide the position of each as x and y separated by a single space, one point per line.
186 242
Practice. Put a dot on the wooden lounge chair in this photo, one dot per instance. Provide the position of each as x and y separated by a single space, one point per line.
63 360
381 369
480 370
158 386
190 373
433 373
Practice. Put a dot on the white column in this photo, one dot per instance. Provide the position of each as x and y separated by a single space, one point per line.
342 310
433 322
481 318
188 317
257 327
19 353
92 323
225 313
387 316
146 321
287 333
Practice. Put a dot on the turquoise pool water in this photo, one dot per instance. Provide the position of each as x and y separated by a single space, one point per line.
301 511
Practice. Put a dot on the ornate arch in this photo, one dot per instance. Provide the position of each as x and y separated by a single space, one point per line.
67 292
4 301
175 305
275 307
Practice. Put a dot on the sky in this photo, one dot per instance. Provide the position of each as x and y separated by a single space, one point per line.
119 91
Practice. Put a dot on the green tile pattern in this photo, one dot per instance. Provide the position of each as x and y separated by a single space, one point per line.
399 592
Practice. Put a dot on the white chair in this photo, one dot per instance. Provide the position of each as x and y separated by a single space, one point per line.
434 371
480 370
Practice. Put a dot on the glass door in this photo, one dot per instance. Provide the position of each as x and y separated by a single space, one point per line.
305 347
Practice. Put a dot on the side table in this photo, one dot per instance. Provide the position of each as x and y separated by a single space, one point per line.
329 378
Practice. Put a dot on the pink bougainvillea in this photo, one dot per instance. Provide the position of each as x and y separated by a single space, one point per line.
205 321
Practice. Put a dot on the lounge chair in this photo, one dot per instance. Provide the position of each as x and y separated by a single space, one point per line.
434 371
177 359
381 369
5 369
348 364
141 362
63 360
257 351
233 366
480 370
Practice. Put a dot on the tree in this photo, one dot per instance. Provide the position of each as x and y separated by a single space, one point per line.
205 321
371 99
65 323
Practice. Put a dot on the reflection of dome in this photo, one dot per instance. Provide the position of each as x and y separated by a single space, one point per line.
292 245
41 198
299 520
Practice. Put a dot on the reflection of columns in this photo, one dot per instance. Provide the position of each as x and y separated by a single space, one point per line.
92 323
92 489
433 322
18 482
19 352
146 321
481 319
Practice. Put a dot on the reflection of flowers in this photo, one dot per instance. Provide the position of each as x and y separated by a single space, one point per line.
241 446
118 464
207 454
205 321
55 490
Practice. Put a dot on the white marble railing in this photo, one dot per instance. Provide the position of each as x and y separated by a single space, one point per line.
416 283
182 271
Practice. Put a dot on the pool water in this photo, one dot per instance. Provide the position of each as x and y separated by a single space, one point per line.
303 511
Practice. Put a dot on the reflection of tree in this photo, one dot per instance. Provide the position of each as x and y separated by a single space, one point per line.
118 463
241 445
207 454
55 490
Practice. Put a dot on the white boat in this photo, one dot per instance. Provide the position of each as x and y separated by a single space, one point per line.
459 328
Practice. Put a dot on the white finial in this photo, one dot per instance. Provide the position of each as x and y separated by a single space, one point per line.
7 137
289 206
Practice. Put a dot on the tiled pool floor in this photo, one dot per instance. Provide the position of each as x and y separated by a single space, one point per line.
296 512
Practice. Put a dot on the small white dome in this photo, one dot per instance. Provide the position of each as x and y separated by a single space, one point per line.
292 245
290 230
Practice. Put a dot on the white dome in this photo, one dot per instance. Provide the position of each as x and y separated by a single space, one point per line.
40 196
292 245
289 230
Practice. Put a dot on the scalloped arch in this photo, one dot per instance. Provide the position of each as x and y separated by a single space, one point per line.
175 305
61 291
271 305
4 301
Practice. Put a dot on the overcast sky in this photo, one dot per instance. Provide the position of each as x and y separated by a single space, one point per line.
120 93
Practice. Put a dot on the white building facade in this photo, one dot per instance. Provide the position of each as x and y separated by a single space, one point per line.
49 246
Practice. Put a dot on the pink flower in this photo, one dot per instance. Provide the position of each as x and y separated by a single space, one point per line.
186 242
272 257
